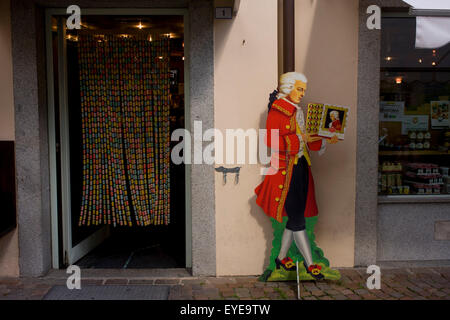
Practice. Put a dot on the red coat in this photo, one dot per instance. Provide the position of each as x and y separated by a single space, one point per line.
272 192
336 125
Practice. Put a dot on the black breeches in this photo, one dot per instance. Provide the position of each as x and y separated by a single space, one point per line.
295 203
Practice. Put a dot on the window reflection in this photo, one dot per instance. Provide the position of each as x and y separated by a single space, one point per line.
414 122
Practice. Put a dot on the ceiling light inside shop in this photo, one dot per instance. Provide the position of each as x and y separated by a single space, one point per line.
72 38
398 80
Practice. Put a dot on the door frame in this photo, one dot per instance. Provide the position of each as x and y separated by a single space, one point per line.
65 184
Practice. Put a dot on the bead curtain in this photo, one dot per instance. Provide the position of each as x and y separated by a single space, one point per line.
124 88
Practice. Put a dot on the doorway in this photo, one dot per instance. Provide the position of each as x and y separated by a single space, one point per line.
118 93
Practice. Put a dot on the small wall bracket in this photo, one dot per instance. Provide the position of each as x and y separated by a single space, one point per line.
225 171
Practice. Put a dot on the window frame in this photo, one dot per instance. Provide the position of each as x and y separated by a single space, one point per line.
411 198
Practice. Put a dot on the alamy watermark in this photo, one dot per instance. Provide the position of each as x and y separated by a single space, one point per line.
374 20
235 146
374 280
74 20
74 280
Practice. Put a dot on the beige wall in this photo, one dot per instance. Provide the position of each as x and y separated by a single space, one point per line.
327 53
9 250
245 74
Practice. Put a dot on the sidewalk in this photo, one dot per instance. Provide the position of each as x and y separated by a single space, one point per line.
396 284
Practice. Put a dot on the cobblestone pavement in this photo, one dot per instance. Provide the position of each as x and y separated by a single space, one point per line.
396 284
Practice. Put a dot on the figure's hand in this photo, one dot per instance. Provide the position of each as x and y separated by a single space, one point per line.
309 138
333 140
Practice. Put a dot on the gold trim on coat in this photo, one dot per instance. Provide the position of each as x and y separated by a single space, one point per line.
283 110
285 190
288 141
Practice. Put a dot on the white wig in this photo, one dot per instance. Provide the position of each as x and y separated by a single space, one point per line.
287 81
336 114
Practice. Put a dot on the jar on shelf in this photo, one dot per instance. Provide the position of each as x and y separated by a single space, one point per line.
420 136
405 189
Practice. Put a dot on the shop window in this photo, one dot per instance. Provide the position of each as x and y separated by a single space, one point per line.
414 127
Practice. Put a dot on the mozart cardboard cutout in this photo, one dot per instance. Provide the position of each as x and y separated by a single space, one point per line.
287 196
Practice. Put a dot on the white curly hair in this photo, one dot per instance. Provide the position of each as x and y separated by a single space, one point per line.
336 114
287 81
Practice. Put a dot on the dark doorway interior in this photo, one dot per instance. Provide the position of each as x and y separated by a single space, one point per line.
7 187
161 246
137 248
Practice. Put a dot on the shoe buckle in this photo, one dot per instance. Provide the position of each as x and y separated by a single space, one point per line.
289 264
314 269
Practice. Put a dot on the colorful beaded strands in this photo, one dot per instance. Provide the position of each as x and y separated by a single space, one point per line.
105 199
147 132
161 124
124 84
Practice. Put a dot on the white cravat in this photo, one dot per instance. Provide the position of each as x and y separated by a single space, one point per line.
301 123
